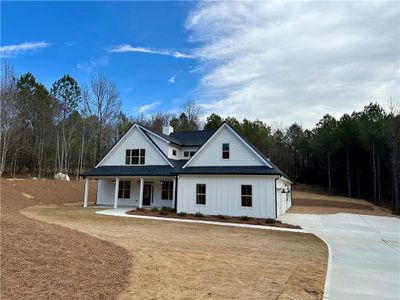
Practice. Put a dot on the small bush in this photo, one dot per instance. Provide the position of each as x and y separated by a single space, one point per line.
165 208
222 217
182 214
269 221
164 212
244 218
199 215
154 209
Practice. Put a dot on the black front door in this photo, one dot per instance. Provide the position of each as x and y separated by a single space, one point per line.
147 194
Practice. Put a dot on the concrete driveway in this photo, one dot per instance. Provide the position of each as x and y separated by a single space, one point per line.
364 253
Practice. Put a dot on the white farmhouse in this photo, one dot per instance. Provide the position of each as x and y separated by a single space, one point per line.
211 172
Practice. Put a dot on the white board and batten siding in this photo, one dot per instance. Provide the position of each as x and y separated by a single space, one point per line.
223 195
239 153
283 200
133 140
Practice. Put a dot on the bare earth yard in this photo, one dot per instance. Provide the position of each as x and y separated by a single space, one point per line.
309 200
158 260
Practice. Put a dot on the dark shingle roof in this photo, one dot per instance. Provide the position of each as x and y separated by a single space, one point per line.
129 171
192 138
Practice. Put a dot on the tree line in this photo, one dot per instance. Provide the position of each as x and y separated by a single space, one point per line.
69 128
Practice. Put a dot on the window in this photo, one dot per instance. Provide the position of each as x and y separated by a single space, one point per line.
188 153
174 152
246 195
225 151
135 156
166 190
124 189
201 194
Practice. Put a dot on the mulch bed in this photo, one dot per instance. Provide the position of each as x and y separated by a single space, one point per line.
224 219
330 203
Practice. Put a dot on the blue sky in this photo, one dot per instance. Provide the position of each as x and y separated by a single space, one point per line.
80 34
280 62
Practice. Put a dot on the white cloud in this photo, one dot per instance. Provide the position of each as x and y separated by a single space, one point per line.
148 107
128 48
295 61
93 64
11 50
172 79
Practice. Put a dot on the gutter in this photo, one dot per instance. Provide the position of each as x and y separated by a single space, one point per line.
276 200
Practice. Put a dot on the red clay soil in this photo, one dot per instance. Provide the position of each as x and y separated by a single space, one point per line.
226 219
44 261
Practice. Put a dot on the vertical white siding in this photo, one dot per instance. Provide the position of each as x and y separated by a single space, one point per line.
223 195
239 153
106 188
135 140
284 200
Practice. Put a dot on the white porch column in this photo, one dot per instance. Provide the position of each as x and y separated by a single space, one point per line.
86 193
116 193
173 192
141 193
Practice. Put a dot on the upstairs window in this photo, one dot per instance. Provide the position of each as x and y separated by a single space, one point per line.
124 189
225 151
173 152
188 153
247 195
201 194
166 190
135 156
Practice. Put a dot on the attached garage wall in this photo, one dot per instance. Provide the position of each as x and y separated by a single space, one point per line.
284 200
223 195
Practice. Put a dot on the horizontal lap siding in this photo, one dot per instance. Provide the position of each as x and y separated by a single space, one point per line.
239 153
223 195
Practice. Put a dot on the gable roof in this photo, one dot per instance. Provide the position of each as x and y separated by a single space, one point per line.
245 142
137 126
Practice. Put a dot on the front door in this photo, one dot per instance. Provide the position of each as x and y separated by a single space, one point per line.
147 194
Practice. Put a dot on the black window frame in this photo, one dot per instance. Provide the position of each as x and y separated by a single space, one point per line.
124 189
173 152
225 150
201 192
186 154
135 156
167 189
247 195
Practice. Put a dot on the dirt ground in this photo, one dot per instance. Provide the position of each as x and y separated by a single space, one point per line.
43 261
167 260
309 200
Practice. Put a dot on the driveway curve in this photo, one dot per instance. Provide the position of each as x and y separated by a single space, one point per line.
364 253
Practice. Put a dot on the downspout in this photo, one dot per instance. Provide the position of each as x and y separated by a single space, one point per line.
276 200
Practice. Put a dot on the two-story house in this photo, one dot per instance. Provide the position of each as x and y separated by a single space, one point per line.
211 172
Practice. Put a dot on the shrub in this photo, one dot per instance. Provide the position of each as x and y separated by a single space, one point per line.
164 212
154 209
269 221
182 214
244 218
222 217
165 208
199 215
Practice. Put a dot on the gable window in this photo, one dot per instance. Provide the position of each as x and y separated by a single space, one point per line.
225 151
174 152
188 153
124 189
201 194
247 195
135 156
166 190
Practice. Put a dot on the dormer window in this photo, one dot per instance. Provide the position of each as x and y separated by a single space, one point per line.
225 151
174 152
188 153
135 156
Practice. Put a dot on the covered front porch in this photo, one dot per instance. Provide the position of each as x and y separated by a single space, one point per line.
134 191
